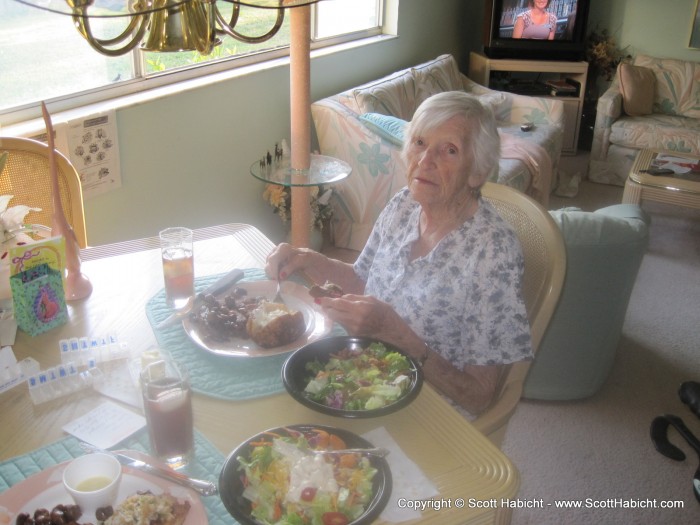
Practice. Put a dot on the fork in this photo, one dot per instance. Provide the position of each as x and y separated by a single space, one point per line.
278 296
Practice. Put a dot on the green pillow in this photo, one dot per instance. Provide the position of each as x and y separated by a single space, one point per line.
386 126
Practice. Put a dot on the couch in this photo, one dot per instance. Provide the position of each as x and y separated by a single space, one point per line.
652 103
363 126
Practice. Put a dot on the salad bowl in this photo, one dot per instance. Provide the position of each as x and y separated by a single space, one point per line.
298 372
233 477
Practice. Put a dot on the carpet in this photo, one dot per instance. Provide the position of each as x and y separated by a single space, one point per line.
595 455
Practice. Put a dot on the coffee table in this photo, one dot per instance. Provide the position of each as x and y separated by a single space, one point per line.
682 189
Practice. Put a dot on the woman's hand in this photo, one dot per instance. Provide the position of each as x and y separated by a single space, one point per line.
364 315
285 259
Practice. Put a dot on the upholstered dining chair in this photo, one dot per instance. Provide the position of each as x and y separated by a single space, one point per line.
26 176
545 265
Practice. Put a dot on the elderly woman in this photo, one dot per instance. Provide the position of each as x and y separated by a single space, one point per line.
440 276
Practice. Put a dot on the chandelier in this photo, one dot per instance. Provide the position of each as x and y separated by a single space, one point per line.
164 25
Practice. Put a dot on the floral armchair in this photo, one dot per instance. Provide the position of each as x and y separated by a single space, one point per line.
363 126
658 107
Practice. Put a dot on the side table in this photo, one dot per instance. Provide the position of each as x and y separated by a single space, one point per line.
679 189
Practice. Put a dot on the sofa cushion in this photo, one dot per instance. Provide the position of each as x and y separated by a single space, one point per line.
386 126
677 85
394 95
657 131
442 74
401 93
637 87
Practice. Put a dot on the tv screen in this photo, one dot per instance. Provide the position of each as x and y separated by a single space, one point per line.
546 29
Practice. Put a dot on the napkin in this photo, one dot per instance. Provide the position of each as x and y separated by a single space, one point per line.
408 481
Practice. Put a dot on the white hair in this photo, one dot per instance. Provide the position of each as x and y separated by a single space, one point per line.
438 109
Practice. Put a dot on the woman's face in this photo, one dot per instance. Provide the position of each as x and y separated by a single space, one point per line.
440 164
540 4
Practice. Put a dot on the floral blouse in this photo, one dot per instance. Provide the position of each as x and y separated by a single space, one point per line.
464 297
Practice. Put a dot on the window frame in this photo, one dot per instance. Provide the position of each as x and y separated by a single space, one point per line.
155 85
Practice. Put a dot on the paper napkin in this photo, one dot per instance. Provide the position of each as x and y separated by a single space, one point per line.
106 425
408 481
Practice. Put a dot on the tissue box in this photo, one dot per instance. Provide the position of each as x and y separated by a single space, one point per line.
39 299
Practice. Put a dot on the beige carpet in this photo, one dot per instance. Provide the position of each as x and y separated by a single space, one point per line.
597 451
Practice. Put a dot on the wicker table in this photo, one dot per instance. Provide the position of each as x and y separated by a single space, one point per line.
468 470
681 190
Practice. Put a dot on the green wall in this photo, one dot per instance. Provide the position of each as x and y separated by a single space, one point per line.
649 27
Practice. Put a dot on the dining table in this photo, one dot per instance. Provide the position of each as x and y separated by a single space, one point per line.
239 396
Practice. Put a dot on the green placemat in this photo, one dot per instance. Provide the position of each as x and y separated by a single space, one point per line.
206 465
232 378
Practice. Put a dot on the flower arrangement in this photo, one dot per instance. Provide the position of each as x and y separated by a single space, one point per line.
11 218
603 54
280 198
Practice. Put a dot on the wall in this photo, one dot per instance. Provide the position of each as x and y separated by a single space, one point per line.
185 158
649 27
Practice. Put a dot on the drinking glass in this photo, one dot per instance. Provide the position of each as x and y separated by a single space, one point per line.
167 403
178 265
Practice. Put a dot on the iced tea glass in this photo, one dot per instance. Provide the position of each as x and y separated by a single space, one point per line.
178 265
167 403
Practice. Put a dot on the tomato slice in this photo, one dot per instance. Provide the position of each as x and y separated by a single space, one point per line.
334 518
308 493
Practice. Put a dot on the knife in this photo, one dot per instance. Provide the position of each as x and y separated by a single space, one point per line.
205 488
220 285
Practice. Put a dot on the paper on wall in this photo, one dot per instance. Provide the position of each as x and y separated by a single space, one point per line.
92 144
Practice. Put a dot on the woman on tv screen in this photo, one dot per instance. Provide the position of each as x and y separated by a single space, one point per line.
536 22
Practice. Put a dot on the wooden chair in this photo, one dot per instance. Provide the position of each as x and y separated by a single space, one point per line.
26 176
545 265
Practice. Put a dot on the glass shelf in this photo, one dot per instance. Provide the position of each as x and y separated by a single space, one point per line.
323 170
126 8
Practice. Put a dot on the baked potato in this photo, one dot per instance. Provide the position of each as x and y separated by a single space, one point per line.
274 324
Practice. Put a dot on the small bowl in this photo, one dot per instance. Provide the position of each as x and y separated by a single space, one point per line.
93 481
295 376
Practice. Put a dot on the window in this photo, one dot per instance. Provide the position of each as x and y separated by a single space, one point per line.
43 57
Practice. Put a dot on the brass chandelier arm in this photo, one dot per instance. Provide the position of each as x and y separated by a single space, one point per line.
202 29
228 27
135 30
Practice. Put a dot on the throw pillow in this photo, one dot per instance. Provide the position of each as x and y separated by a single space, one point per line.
677 87
637 85
386 126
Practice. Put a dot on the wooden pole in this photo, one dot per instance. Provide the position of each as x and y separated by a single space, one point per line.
300 104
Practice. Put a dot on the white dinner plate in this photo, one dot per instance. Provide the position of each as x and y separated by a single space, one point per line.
295 296
45 490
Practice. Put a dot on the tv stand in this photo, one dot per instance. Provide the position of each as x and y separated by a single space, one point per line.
527 78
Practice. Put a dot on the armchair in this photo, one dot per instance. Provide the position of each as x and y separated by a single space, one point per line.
658 108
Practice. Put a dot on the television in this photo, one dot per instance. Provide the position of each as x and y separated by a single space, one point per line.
511 32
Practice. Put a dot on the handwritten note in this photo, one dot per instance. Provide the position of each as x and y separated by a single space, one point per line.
106 425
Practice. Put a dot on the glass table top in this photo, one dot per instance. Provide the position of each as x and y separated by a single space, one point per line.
323 170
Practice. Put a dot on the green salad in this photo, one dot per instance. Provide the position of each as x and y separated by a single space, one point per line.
287 484
359 380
